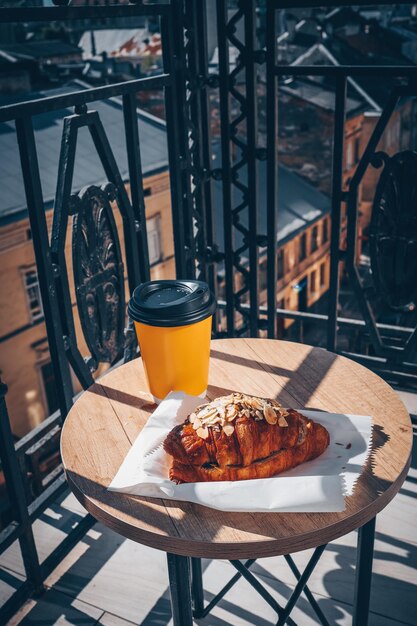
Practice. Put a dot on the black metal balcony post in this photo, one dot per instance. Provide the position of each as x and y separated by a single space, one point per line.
172 34
17 498
34 199
185 139
225 172
198 111
250 155
136 182
337 195
203 124
271 171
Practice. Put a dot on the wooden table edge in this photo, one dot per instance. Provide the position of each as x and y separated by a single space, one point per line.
241 550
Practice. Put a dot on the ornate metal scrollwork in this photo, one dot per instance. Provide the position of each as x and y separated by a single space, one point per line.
393 231
97 261
393 237
98 273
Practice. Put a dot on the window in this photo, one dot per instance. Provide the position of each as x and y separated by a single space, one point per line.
263 276
397 131
322 275
313 285
281 263
49 386
154 239
349 154
33 295
221 287
303 246
357 149
280 320
325 231
314 238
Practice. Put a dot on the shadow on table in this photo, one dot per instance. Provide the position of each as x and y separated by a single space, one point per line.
303 383
253 363
300 384
142 400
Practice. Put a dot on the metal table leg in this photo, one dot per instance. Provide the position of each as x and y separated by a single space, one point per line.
197 590
366 535
299 587
187 592
180 589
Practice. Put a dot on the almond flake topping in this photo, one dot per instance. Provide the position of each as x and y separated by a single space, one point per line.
221 412
203 432
228 429
231 412
197 423
257 404
270 414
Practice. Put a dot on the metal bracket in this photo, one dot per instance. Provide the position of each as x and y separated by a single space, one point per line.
243 570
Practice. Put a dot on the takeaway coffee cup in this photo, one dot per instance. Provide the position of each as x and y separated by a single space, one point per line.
173 326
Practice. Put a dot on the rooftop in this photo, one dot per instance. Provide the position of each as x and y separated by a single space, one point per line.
316 94
348 37
113 42
39 49
88 169
299 203
320 54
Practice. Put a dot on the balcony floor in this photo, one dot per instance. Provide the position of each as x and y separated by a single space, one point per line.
109 581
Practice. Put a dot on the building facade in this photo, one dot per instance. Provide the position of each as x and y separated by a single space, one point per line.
24 353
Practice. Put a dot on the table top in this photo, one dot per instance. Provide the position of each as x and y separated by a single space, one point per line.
106 419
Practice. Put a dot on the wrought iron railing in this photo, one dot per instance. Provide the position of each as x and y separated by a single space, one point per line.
187 85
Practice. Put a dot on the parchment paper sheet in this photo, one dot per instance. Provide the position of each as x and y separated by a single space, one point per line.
317 486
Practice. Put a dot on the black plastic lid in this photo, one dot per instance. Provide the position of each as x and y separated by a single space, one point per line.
171 302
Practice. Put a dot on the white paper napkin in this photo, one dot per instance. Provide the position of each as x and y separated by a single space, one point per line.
316 486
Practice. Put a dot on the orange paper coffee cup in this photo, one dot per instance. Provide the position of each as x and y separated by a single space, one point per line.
173 325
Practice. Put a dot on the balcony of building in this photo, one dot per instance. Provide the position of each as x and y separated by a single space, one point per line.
269 174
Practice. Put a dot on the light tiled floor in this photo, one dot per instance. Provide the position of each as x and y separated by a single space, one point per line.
109 581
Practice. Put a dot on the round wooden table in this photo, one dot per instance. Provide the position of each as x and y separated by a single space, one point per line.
106 419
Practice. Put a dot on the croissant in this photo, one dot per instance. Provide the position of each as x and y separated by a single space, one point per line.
240 437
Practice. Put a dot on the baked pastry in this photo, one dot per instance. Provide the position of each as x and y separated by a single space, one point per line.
239 437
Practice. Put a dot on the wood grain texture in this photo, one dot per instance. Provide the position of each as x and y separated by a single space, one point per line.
106 419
